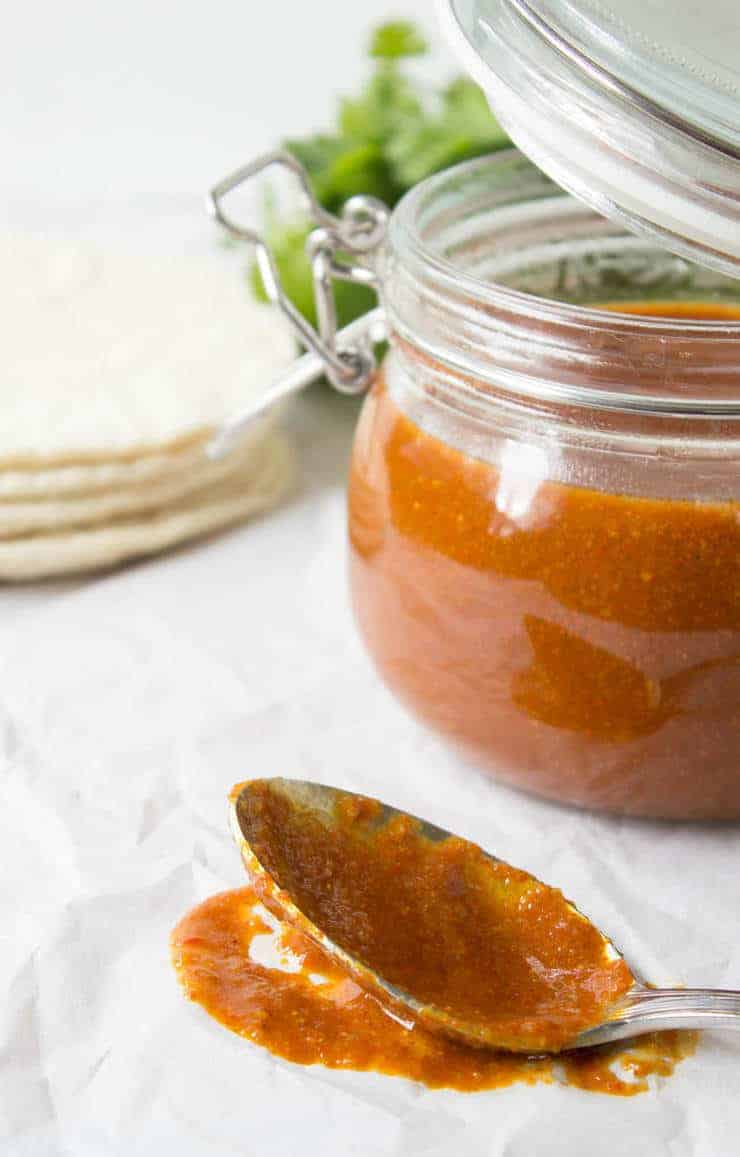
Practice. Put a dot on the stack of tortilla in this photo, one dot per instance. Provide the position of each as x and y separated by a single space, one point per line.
116 372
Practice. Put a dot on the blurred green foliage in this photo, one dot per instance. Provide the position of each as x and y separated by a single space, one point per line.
392 135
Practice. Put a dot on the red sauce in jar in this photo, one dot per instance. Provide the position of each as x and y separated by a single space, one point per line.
589 653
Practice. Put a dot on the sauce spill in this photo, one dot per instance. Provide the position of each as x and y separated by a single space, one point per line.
316 1014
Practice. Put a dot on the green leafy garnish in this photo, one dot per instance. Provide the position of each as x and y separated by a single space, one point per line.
462 128
393 134
397 39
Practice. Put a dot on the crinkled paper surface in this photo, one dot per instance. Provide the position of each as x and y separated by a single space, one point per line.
128 706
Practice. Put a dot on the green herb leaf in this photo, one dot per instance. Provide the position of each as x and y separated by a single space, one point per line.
389 100
463 128
340 167
465 101
389 137
397 39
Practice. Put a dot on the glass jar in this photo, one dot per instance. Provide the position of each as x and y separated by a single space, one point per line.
544 501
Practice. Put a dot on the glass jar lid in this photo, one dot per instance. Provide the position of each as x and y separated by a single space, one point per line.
631 105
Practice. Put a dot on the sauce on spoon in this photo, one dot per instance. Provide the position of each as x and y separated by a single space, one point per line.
440 919
484 950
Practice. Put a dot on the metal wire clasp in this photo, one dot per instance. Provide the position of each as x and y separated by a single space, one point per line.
339 248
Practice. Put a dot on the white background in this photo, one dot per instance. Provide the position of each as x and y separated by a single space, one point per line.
121 112
130 703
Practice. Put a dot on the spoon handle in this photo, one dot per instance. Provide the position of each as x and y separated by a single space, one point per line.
655 1009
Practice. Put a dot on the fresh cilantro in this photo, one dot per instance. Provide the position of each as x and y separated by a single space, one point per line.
389 137
462 127
388 101
396 40
339 167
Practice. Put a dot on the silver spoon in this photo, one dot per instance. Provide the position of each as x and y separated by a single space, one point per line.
640 1010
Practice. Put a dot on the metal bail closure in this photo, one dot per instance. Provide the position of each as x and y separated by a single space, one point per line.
339 248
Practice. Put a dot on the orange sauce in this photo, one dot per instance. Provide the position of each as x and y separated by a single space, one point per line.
486 945
336 1024
588 651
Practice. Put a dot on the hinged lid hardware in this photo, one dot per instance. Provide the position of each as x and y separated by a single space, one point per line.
339 248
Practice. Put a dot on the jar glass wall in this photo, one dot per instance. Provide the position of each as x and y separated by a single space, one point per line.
545 497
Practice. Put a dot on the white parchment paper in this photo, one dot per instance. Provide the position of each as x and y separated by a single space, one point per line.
128 707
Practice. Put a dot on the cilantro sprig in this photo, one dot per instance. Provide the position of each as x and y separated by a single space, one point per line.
392 135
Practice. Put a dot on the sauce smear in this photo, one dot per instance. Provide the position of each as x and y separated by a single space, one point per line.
336 1024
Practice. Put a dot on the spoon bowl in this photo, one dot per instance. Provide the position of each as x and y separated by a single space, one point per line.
279 824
